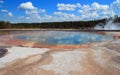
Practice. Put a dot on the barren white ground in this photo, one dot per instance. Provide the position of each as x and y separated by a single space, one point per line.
99 59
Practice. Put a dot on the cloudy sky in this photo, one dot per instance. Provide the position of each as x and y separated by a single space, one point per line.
57 10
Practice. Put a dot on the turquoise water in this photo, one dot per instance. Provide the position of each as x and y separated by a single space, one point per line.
62 37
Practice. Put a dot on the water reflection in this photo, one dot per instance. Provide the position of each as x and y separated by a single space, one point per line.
61 37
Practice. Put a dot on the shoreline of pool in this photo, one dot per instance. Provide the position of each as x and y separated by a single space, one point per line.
50 29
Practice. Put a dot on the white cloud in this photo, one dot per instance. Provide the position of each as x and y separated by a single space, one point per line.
86 7
56 17
21 17
66 17
97 6
31 11
95 11
108 13
27 18
4 10
10 14
34 14
35 11
1 1
41 10
89 15
116 5
26 6
68 7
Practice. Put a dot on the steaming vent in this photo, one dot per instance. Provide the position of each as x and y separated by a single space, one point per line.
110 25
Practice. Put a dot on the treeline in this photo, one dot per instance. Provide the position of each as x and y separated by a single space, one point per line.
60 25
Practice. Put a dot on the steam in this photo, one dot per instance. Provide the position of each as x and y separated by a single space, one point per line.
110 25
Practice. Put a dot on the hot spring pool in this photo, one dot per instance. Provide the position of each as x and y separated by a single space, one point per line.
61 37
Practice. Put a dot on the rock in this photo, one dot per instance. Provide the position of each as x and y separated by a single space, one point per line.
117 59
3 52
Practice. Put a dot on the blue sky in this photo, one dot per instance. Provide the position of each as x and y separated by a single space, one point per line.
57 10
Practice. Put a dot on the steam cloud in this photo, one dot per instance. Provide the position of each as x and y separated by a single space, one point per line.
110 25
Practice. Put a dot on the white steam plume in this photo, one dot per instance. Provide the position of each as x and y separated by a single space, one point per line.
110 25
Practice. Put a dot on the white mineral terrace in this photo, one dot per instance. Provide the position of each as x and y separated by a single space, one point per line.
19 53
62 62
